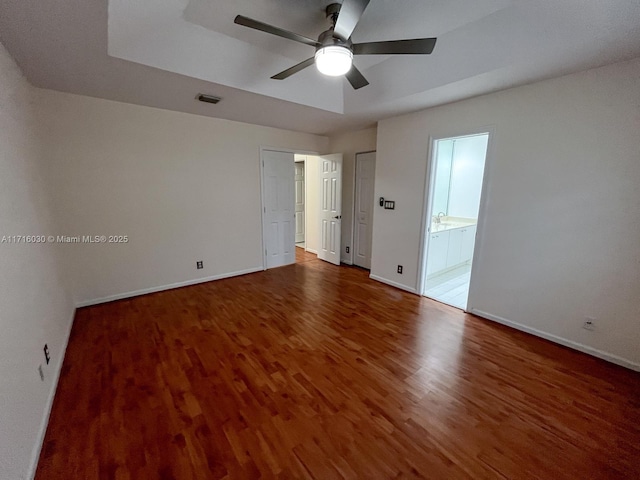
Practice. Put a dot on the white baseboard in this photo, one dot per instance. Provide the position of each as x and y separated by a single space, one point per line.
394 284
35 455
560 340
311 250
144 291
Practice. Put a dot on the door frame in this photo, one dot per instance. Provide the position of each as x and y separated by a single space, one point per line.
428 203
304 163
262 200
353 203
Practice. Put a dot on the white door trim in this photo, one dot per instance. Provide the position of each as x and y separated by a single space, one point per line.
428 200
304 197
306 203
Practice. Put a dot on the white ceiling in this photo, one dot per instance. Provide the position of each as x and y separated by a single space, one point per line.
161 53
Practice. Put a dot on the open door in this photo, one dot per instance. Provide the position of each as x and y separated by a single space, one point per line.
330 207
279 213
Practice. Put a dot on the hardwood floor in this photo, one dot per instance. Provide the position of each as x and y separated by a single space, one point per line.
315 371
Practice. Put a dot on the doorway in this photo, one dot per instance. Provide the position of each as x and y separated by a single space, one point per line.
300 194
301 202
455 186
363 208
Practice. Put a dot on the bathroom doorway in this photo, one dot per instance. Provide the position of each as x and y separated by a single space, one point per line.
455 187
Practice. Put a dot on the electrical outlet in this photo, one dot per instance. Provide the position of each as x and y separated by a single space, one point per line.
347 249
589 324
41 372
199 265
47 356
400 269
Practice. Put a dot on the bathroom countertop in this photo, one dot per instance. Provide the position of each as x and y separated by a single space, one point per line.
451 223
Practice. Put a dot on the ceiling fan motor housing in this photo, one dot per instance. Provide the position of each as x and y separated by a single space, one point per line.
329 38
334 54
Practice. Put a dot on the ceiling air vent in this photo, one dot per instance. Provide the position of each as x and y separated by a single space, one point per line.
208 98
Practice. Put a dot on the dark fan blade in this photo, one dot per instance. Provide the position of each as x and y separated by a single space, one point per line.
248 22
356 79
396 47
295 69
349 16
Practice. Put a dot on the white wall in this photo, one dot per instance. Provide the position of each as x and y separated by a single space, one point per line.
34 306
349 144
559 240
181 187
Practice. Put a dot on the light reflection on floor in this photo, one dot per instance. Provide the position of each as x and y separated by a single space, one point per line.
440 341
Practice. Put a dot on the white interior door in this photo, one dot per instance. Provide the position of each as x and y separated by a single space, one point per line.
365 172
330 207
299 200
278 212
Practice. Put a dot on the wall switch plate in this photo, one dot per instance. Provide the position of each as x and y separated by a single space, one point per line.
347 249
389 205
199 264
47 356
400 269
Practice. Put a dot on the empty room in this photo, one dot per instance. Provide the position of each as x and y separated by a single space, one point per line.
352 239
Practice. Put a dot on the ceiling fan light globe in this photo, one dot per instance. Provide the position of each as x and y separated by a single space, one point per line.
334 60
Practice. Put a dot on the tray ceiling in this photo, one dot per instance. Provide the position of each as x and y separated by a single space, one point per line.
162 53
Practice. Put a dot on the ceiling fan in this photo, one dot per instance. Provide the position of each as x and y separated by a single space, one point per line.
334 49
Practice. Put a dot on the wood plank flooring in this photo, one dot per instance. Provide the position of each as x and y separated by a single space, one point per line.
315 371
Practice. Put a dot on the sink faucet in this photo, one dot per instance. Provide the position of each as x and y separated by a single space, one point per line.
438 218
